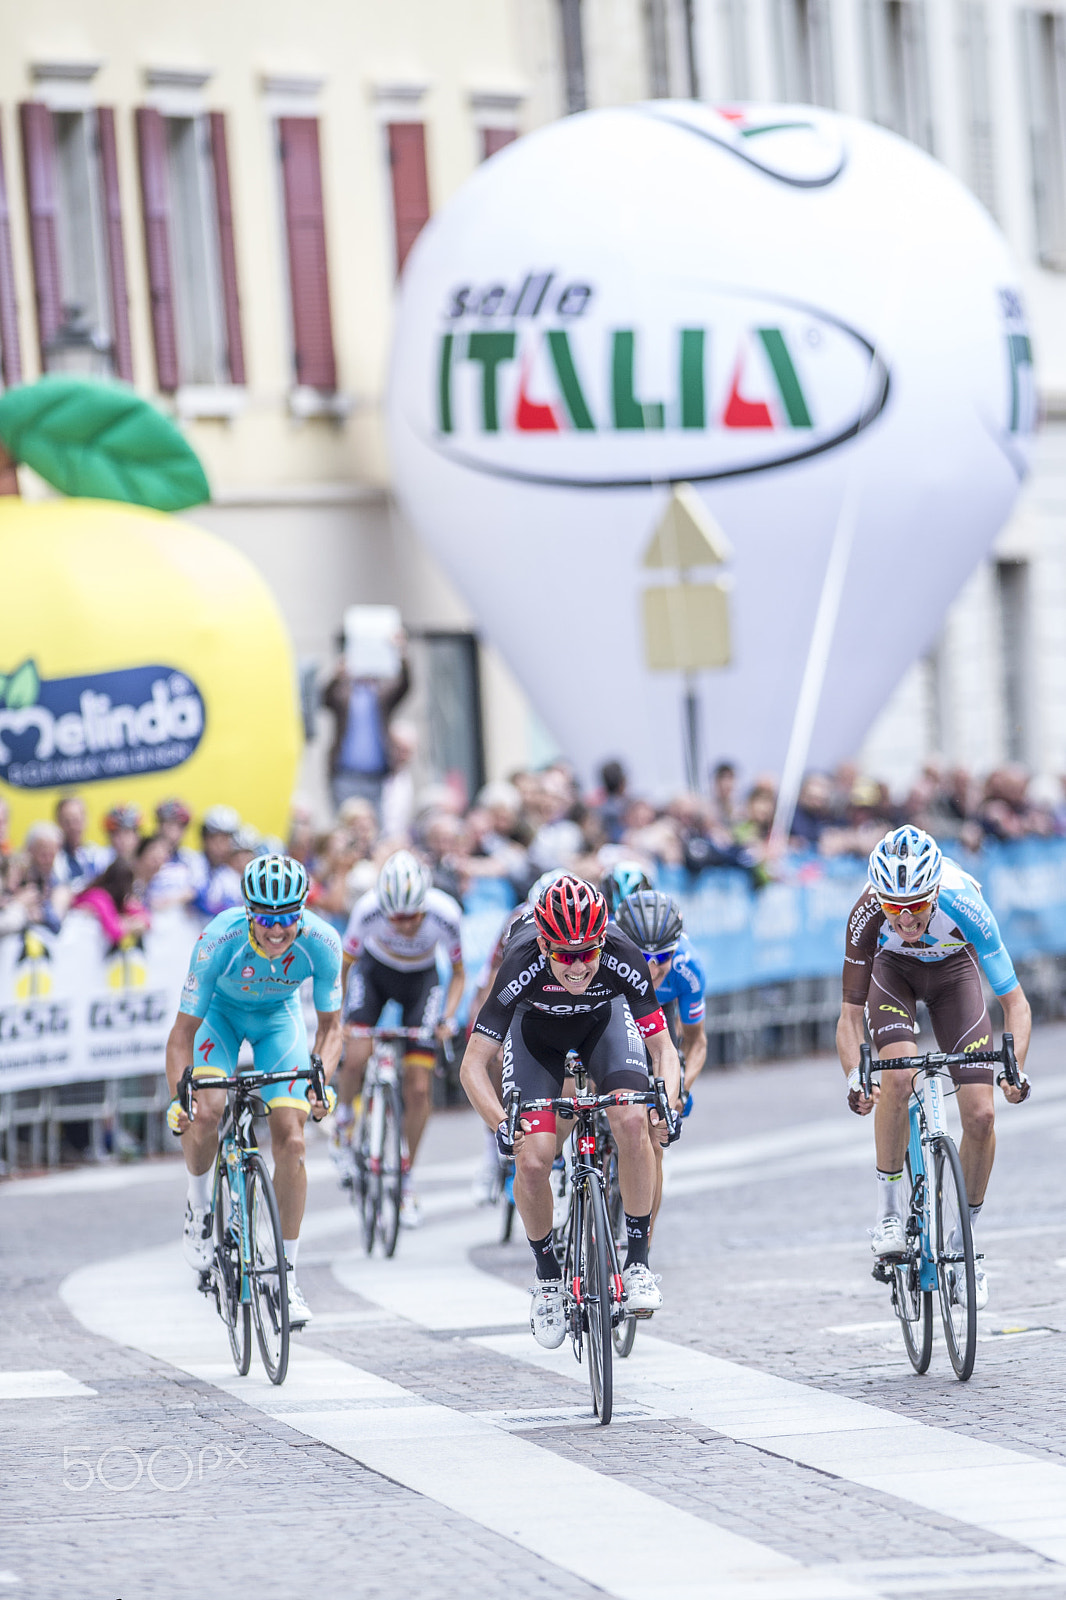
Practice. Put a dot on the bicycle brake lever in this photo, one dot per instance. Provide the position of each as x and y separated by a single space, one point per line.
865 1071
185 1093
318 1079
512 1104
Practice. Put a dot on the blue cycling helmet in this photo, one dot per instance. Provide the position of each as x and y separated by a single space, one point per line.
906 865
274 883
627 878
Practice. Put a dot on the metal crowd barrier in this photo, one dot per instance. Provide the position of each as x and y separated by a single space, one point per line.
108 1119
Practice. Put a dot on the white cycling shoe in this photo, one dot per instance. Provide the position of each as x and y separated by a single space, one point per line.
300 1313
888 1238
197 1237
410 1210
642 1292
958 1286
546 1320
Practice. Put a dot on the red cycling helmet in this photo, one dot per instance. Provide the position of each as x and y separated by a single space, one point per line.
570 913
128 816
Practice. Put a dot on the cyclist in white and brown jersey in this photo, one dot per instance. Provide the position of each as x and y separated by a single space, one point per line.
921 930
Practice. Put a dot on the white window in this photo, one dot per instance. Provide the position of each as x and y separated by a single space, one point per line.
977 100
1044 45
79 213
198 311
669 47
803 48
897 68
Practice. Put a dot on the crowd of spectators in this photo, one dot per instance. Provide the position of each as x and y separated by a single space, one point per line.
514 830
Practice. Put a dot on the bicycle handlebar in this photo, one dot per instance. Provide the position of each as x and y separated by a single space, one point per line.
249 1081
938 1061
571 1106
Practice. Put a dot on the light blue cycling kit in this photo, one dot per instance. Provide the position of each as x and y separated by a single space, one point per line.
242 994
685 982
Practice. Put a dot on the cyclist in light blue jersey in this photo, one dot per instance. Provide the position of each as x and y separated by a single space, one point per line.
653 921
922 930
244 983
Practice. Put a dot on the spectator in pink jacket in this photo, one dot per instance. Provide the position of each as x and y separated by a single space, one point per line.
110 899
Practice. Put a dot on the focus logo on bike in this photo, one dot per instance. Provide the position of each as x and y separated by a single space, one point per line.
88 729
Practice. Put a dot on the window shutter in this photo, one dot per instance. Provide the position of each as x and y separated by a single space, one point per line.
410 190
10 349
155 200
39 161
122 350
227 254
305 227
493 139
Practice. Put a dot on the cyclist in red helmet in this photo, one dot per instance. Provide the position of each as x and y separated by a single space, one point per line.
570 980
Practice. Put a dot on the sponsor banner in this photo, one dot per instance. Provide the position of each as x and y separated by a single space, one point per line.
74 1009
746 937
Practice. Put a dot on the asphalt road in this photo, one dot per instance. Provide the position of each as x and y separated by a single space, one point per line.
770 1439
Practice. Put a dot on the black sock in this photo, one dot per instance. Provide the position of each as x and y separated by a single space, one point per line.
637 1238
544 1256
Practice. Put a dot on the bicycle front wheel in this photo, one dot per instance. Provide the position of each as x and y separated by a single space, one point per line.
955 1269
595 1276
370 1165
227 1272
914 1305
267 1273
391 1170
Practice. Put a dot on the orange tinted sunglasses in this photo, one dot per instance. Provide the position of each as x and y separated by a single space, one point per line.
917 908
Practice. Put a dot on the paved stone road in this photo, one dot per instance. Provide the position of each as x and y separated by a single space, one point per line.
765 1264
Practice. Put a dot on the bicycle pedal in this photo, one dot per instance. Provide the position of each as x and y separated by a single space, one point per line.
880 1272
641 1316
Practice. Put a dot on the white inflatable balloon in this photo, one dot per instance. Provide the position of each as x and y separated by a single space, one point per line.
793 311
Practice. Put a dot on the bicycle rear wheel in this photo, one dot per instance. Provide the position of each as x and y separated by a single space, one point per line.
596 1292
269 1281
624 1332
955 1269
391 1169
914 1305
227 1272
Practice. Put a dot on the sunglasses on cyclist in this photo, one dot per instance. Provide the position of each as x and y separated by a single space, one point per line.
660 955
566 958
279 919
917 908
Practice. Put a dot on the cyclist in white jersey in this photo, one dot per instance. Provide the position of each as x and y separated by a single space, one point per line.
390 953
921 930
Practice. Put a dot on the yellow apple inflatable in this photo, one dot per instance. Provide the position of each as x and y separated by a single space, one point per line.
140 657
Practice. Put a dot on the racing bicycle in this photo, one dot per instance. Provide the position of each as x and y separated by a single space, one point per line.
247 1275
940 1254
593 1300
379 1149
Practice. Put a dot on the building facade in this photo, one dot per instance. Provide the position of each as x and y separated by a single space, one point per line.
221 199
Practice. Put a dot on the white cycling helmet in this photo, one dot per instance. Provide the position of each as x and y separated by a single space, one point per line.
906 865
542 883
403 884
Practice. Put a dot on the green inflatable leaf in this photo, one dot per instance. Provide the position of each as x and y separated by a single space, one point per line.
100 441
22 687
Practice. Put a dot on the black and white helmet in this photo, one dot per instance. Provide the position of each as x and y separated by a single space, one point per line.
906 865
403 884
651 919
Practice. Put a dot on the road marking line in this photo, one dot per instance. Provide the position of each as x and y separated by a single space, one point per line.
460 1460
982 1485
40 1385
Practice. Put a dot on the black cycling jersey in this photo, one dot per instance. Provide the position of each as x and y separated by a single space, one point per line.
525 982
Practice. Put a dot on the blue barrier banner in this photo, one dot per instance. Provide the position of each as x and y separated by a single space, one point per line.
795 928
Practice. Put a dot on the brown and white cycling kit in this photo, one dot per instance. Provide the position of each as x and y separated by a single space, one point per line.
889 976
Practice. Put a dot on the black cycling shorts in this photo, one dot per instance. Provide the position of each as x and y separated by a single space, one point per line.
952 991
371 983
608 1041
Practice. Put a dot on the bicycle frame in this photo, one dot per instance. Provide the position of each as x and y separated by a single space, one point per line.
237 1141
927 1122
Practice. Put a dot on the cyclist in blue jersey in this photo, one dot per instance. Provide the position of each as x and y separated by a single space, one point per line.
244 982
921 930
653 922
